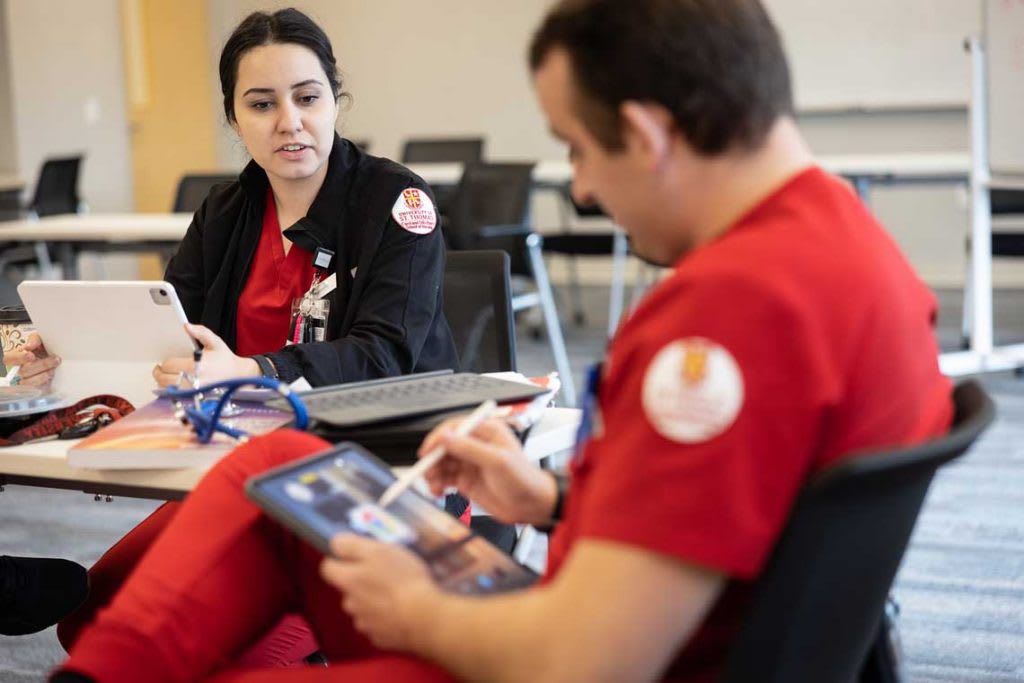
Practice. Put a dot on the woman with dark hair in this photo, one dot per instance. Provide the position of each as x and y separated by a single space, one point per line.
311 219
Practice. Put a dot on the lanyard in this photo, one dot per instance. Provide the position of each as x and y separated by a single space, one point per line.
590 406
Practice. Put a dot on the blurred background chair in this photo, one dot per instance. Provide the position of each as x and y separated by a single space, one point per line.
817 611
425 150
56 192
571 244
491 210
478 306
443 150
194 187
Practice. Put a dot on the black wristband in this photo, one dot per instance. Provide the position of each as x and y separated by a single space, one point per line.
561 491
267 368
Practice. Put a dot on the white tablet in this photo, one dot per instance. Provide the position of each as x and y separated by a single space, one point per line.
109 334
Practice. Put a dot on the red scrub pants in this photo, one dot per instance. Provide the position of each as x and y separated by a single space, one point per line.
219 577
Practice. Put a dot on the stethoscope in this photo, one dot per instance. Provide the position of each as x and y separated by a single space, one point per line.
204 414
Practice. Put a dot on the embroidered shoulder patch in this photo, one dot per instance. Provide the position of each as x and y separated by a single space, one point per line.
414 211
693 390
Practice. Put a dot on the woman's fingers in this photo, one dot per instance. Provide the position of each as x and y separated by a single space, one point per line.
33 368
39 380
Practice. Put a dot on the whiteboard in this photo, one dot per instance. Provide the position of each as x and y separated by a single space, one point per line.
1004 45
877 53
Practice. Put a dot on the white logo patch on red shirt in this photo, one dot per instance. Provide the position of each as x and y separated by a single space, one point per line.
693 390
414 211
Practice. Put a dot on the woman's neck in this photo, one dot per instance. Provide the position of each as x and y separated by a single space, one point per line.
294 197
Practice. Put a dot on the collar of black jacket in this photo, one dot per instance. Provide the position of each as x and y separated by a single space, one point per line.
325 220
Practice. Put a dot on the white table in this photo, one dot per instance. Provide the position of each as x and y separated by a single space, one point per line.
74 233
45 464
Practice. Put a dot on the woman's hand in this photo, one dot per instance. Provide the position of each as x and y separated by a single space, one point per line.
37 366
218 362
386 589
489 467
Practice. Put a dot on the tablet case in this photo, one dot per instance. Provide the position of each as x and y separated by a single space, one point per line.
108 334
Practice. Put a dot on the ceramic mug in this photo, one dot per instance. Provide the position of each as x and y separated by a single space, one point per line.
15 327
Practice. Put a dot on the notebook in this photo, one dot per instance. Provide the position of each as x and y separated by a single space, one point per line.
153 438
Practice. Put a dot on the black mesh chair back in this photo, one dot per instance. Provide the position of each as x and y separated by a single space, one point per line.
57 188
425 150
818 605
478 306
581 243
193 188
491 209
1007 202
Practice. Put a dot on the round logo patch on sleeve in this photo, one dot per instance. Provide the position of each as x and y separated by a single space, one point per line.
414 211
693 390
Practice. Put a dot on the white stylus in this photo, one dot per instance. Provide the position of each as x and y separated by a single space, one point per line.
482 412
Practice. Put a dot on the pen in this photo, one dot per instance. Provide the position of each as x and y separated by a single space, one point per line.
482 412
12 377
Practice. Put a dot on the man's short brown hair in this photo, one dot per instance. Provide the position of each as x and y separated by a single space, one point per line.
717 65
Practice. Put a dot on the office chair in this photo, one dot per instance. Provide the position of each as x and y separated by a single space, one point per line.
56 192
443 150
491 210
426 150
612 243
478 306
194 187
817 608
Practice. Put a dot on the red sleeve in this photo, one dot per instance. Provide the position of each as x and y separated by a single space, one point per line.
711 408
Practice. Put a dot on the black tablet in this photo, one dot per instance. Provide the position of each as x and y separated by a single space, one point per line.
337 491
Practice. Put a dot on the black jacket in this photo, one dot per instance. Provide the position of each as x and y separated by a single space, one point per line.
386 320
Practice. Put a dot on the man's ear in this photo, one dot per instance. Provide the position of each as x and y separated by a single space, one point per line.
648 127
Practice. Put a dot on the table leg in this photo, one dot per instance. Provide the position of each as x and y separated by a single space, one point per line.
67 254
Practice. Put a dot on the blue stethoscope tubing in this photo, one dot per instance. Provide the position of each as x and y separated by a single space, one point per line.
206 419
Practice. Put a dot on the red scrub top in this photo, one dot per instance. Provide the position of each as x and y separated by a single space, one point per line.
275 280
799 337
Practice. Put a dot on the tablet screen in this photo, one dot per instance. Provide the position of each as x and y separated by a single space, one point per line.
337 492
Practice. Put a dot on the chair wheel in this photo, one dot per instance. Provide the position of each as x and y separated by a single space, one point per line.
535 334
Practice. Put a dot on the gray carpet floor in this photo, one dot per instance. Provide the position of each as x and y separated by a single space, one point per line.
961 587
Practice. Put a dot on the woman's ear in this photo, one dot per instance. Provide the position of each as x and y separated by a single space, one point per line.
647 128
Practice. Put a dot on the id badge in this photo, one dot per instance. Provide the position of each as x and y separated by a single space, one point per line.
309 320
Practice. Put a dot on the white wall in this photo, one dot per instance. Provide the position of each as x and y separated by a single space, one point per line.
457 67
8 156
67 91
449 67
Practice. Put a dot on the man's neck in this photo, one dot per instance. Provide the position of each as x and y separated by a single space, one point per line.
736 182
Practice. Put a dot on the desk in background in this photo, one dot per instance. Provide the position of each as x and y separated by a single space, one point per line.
71 234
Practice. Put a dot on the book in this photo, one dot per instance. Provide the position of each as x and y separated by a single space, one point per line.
153 438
